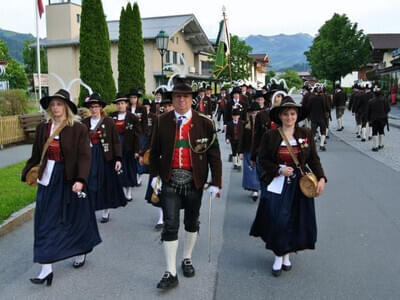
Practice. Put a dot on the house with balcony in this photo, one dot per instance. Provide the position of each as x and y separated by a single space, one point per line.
187 40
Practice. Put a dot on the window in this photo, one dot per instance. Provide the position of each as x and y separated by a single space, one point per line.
177 40
167 57
78 18
181 60
174 57
172 39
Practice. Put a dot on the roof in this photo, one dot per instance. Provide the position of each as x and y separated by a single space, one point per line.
259 56
188 24
384 40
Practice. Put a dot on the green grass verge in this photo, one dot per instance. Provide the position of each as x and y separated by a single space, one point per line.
14 194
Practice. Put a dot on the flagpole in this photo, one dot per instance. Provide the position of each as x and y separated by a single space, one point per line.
38 49
229 45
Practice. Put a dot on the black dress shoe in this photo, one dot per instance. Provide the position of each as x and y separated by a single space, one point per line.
168 281
105 220
159 227
375 149
187 268
286 267
380 147
78 265
362 140
48 279
322 148
276 273
358 136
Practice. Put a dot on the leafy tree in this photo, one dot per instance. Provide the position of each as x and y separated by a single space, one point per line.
338 49
29 57
15 73
292 79
95 54
138 53
4 53
240 60
270 74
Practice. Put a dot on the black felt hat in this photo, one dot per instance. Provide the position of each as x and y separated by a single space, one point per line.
94 98
135 92
253 107
236 112
259 94
62 95
120 97
146 101
236 90
287 102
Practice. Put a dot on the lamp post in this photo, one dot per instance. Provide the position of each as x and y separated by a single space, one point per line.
162 45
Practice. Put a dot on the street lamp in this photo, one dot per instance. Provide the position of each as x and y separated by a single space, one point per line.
162 45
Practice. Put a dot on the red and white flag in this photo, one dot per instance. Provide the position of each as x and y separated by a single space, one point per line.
40 8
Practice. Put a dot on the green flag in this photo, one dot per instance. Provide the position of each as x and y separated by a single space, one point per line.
221 61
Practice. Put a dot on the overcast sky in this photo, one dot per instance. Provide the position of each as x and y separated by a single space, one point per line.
244 17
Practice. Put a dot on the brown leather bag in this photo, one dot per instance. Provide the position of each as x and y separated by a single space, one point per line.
146 157
308 181
33 174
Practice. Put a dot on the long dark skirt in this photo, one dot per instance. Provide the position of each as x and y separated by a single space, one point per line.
128 177
142 169
65 225
250 179
286 222
103 185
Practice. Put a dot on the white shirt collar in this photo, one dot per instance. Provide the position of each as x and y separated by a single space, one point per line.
187 115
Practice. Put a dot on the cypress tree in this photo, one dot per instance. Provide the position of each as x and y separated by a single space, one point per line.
138 53
95 54
125 51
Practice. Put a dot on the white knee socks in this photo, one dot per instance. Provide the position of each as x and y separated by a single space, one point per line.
375 141
322 144
363 133
46 270
381 140
170 249
160 216
127 192
358 129
190 241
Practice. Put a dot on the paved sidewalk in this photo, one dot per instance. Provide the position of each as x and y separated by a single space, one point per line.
15 154
390 155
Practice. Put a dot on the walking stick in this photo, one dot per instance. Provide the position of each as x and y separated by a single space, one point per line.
209 227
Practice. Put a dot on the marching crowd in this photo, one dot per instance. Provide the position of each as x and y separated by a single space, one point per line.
97 163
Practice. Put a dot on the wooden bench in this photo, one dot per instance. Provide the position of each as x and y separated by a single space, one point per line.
29 122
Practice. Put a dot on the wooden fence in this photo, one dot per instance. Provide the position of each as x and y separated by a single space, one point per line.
10 130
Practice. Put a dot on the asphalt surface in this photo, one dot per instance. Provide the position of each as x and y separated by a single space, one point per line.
356 255
15 154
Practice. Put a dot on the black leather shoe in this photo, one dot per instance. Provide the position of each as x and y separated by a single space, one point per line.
375 149
105 220
168 281
276 273
48 279
362 140
322 148
159 227
286 268
78 265
358 136
380 147
187 268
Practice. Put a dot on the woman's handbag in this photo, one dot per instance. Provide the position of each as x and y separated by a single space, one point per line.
308 181
33 174
146 157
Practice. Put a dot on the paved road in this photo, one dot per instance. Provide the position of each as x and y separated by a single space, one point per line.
356 255
15 154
